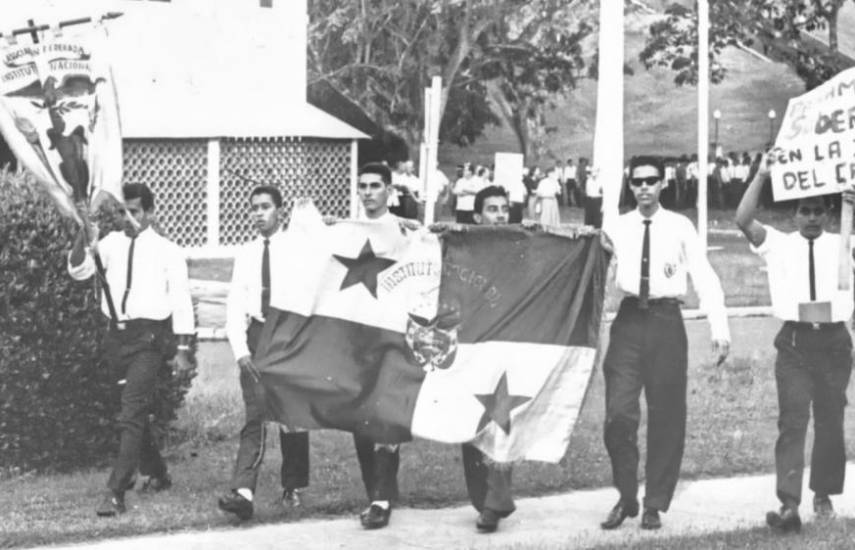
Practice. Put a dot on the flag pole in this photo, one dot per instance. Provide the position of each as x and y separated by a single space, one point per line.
703 116
608 131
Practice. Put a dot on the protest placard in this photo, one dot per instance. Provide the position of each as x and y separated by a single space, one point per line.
509 170
816 152
817 141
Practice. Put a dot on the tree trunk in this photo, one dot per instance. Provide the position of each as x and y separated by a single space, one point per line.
832 26
513 115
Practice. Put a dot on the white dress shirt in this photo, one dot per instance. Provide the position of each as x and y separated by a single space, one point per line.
569 172
471 185
674 252
244 301
548 188
787 264
517 192
159 283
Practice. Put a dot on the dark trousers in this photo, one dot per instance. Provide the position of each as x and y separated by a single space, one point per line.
812 366
464 216
571 193
488 485
294 446
379 467
137 354
594 211
515 214
647 350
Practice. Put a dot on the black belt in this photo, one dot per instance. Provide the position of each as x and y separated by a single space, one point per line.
139 323
802 325
653 302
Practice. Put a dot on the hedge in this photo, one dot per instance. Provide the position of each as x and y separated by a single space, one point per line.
58 401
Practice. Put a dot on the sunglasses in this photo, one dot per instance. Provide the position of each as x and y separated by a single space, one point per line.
649 181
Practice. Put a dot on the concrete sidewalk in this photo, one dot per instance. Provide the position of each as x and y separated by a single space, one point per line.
562 521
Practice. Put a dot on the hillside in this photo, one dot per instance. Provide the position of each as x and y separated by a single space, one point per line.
659 116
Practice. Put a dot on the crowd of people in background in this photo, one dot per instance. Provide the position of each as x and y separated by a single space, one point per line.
570 183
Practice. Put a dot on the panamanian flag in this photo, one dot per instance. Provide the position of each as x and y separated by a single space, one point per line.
486 335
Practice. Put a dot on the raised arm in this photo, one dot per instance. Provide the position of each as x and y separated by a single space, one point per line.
751 228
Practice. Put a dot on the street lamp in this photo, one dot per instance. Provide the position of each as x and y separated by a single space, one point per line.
716 115
772 115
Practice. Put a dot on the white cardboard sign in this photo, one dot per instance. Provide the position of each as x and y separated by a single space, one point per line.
817 141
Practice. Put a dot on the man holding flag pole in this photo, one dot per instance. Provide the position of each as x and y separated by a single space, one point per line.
149 288
59 114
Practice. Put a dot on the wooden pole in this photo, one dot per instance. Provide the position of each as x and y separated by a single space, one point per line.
433 101
845 261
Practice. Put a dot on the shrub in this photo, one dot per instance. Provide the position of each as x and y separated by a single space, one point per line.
58 401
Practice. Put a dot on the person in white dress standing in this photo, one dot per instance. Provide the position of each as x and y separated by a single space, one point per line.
546 205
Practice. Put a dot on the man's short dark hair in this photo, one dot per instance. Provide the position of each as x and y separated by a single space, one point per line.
486 193
377 168
647 160
274 193
827 201
131 191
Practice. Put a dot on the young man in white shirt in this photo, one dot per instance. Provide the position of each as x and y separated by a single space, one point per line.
151 320
655 249
378 462
247 306
489 486
465 189
569 178
814 359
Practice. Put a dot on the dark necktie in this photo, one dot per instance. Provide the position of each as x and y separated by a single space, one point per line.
265 279
644 285
812 272
130 275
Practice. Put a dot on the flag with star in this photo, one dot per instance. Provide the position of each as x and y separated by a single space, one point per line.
487 335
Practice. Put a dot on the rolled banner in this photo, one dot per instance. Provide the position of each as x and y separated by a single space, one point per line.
59 114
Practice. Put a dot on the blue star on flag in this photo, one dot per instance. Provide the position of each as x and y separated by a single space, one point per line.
364 269
499 405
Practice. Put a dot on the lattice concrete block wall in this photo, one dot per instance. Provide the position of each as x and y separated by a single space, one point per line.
176 171
317 168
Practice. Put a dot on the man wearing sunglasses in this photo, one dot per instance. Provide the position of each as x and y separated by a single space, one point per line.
814 358
655 249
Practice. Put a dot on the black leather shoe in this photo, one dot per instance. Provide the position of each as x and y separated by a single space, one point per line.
156 484
822 507
786 520
488 521
236 504
375 517
291 498
650 519
620 512
112 505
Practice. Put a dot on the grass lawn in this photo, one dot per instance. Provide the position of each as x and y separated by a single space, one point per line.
732 415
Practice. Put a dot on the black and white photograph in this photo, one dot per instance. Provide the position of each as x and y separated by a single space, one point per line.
427 274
